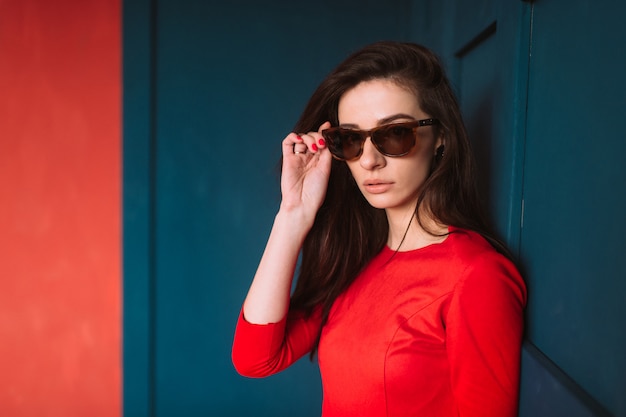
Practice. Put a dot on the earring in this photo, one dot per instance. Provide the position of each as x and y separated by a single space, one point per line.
439 153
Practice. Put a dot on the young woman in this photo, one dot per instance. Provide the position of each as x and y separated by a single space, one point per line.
410 303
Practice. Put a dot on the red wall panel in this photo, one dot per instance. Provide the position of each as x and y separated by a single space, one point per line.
60 163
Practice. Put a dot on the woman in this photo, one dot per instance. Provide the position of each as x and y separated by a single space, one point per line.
410 303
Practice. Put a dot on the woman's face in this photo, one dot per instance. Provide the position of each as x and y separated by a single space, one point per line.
390 183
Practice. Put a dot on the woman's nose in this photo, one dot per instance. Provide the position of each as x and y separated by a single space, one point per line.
371 158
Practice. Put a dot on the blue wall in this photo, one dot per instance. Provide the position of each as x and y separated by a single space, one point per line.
210 92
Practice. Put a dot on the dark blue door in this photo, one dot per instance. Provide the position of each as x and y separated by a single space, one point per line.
572 240
543 94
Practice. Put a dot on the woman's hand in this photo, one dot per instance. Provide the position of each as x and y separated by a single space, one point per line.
306 168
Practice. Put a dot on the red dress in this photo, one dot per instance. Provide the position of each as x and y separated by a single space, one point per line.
430 332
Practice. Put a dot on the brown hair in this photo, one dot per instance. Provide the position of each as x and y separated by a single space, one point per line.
348 232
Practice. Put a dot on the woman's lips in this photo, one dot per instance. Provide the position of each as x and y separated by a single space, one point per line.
377 186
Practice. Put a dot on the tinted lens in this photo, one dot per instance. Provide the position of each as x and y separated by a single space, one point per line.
344 143
394 140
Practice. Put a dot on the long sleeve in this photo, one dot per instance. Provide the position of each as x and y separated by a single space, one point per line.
263 350
484 324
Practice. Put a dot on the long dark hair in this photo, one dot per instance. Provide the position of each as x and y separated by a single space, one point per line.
348 232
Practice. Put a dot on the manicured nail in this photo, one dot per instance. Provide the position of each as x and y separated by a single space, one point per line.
298 137
322 142
314 147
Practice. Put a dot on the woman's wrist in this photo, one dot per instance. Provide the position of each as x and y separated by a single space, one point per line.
297 220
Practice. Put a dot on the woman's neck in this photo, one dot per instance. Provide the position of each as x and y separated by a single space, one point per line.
407 233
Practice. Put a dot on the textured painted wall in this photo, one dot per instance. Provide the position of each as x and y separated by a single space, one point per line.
60 208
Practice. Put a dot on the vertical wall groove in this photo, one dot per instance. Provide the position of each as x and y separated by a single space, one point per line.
139 206
152 240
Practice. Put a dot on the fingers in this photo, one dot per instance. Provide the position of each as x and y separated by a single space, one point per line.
303 143
300 146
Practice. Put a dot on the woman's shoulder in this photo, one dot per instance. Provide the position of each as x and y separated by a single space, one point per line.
468 243
479 262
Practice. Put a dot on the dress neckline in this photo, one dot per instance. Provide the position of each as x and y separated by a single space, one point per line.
388 250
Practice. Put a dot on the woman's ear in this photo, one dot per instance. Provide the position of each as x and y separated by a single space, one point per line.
440 138
439 146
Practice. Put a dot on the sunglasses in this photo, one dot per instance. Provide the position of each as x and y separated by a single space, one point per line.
395 139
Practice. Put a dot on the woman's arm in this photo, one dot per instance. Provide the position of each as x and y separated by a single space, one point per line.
260 350
484 329
267 340
304 181
268 298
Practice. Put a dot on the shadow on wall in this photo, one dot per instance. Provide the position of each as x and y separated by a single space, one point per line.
548 391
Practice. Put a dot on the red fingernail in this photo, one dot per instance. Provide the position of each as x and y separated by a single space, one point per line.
322 142
298 137
314 147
